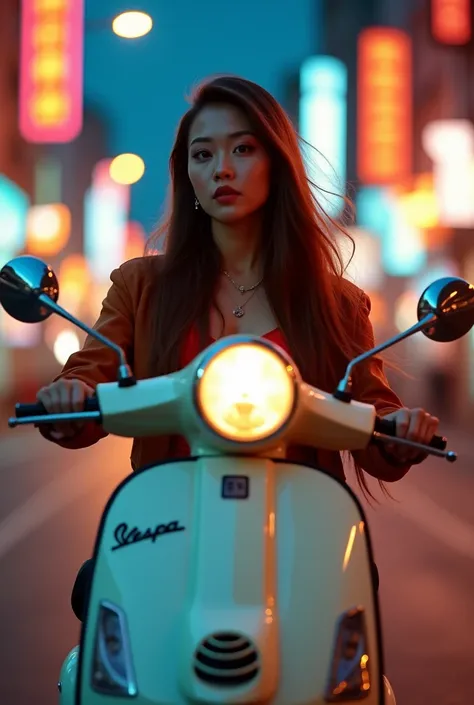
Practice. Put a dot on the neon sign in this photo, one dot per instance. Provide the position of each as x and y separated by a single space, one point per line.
451 21
323 124
106 208
51 70
384 84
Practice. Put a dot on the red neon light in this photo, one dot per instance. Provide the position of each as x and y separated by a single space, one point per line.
384 149
51 70
451 21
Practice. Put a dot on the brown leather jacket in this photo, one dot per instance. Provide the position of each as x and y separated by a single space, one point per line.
125 319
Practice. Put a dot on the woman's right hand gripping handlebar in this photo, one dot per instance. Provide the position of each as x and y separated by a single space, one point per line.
62 397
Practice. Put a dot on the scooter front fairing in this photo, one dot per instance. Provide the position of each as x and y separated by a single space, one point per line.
231 579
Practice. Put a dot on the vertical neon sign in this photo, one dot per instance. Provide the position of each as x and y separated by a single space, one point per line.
384 86
323 124
51 70
106 207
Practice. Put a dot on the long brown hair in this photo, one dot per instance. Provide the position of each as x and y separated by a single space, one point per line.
315 307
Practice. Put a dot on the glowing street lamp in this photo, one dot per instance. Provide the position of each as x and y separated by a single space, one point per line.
132 25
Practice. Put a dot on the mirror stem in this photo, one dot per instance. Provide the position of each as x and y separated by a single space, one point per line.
125 374
344 388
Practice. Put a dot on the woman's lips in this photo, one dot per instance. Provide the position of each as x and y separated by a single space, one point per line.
227 198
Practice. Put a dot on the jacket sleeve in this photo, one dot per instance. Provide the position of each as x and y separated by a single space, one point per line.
371 386
95 362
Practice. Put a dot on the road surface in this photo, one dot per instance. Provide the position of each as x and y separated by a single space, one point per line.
50 505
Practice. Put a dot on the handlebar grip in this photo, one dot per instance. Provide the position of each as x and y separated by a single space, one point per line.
389 428
38 409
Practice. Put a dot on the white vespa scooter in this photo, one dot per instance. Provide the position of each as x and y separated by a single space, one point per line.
233 576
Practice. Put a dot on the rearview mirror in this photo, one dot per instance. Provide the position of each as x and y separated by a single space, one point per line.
445 313
452 300
29 292
22 281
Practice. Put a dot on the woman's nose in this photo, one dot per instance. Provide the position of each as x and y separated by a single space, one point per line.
224 169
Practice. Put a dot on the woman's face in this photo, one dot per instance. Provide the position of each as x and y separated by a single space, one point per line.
224 153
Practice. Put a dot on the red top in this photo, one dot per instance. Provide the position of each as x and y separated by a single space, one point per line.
191 348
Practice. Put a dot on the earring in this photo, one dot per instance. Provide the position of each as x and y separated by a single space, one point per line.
196 204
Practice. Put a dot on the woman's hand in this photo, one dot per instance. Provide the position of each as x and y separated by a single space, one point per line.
415 425
64 396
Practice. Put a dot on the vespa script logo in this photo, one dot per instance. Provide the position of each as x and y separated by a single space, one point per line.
125 536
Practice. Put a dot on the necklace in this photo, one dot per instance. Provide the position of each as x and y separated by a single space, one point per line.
241 287
239 311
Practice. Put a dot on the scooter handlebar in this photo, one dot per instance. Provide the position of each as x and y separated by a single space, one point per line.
38 409
389 428
383 426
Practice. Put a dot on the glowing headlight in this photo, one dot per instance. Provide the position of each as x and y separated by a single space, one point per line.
246 392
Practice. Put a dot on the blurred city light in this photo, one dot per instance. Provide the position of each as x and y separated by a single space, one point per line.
132 25
403 244
51 70
420 205
404 252
136 239
127 168
384 105
65 345
75 282
378 311
106 205
451 21
14 204
372 206
16 334
450 144
365 267
48 229
405 310
48 174
323 123
436 270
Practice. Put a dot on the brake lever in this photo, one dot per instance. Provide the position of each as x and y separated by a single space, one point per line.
55 418
448 455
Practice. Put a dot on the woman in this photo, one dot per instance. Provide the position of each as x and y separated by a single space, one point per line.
248 249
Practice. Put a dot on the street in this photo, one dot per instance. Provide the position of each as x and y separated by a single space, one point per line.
50 505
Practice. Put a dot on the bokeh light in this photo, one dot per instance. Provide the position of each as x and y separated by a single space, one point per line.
127 169
16 334
136 238
14 204
47 229
420 205
75 282
405 310
131 25
65 345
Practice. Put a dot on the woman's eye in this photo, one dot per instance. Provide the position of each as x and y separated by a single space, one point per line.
198 155
246 147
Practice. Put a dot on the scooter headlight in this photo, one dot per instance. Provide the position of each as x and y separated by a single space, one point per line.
246 392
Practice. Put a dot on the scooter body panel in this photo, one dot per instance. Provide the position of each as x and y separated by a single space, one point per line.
269 554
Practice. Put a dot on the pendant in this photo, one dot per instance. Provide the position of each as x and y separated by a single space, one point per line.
242 289
238 312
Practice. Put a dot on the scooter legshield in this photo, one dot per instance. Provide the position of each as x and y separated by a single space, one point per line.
235 580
